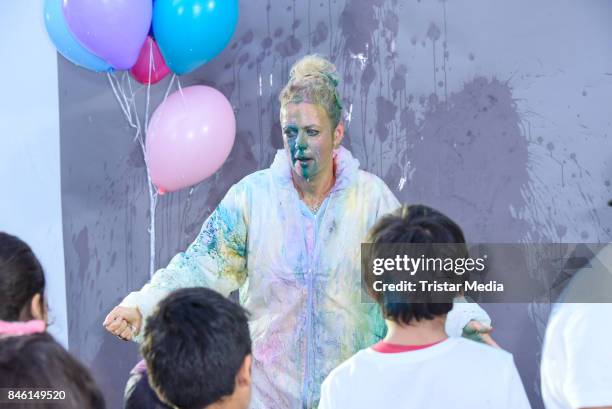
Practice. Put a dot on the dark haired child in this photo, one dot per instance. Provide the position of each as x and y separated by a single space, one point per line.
29 357
22 282
44 373
417 365
197 348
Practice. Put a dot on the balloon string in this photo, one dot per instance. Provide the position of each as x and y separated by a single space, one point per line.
153 194
152 191
151 59
152 207
110 77
130 110
180 88
151 62
132 99
125 99
169 87
147 106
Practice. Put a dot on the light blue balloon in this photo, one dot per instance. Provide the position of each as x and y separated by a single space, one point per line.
65 42
192 32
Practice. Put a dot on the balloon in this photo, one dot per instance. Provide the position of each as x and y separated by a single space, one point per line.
189 137
192 32
159 69
65 42
114 30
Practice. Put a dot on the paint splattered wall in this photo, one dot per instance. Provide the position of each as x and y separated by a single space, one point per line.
495 112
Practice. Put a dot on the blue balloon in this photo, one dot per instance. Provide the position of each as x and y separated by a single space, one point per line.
192 32
64 41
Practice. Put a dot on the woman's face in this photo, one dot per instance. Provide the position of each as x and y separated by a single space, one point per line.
309 139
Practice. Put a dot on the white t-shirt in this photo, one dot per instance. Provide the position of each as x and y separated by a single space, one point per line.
456 373
576 366
577 357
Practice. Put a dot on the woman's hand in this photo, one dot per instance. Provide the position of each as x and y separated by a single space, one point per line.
479 332
123 322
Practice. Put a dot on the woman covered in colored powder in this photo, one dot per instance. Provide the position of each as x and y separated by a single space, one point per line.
288 238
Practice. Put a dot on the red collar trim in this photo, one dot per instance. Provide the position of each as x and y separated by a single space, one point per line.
386 348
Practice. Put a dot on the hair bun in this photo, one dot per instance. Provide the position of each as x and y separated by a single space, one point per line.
314 80
314 66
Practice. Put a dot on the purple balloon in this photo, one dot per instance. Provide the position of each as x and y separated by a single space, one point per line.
114 30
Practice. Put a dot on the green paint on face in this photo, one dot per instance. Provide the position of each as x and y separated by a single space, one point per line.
305 171
297 139
308 141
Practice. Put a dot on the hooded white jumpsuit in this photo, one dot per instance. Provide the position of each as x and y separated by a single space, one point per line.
298 274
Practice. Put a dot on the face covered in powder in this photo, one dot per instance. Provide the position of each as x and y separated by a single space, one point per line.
309 139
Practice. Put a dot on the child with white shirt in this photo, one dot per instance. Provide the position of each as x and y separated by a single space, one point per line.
417 365
576 369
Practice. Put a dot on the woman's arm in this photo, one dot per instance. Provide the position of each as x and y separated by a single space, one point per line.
216 259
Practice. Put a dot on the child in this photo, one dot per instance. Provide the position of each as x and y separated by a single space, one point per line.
34 362
31 359
417 365
197 348
138 391
576 369
22 282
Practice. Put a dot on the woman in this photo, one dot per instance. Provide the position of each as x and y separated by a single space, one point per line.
289 238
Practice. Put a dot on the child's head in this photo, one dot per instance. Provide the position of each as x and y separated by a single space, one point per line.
22 281
427 231
38 362
198 351
138 391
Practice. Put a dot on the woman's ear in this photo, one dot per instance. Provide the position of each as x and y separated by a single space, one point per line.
38 309
338 134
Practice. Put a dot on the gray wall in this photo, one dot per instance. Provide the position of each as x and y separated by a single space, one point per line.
495 112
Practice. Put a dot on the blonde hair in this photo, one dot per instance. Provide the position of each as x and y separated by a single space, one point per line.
313 79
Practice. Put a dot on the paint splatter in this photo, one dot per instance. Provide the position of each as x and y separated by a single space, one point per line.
398 82
433 32
247 37
357 23
266 43
385 113
320 34
81 247
289 47
455 142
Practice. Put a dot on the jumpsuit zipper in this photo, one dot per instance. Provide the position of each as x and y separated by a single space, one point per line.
306 393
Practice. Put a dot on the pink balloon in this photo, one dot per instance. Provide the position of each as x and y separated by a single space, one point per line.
159 69
189 137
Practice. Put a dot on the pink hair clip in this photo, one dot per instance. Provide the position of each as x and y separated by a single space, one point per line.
14 328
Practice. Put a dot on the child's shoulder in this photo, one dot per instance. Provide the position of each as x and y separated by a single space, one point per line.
346 368
485 353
